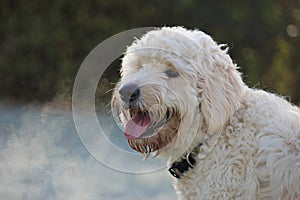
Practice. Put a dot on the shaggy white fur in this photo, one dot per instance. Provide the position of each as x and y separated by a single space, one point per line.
251 138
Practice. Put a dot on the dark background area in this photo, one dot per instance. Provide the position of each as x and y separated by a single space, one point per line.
43 43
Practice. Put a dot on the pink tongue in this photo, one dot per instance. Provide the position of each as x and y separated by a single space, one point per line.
136 126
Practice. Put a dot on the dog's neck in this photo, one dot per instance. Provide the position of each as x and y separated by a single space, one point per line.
198 151
198 132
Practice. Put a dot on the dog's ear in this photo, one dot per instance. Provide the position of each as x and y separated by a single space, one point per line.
221 88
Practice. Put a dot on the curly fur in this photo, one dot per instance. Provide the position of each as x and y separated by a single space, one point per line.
251 138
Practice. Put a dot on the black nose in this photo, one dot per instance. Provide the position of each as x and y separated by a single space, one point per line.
129 94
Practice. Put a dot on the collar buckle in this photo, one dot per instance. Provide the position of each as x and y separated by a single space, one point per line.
175 172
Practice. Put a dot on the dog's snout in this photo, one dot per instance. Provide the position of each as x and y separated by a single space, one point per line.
129 94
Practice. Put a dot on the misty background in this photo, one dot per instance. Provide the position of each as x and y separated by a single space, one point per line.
42 45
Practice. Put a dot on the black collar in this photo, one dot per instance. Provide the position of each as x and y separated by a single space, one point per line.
182 165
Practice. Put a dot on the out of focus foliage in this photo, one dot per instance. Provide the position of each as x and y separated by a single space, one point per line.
44 42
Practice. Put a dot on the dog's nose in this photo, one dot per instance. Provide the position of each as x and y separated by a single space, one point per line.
129 94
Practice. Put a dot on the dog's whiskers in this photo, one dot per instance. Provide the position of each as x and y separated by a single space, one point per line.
147 152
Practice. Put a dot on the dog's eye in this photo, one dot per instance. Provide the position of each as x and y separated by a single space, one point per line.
171 73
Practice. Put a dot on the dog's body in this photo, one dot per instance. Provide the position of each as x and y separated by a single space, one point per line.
179 89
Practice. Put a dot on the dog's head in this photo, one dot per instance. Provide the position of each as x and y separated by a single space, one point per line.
177 87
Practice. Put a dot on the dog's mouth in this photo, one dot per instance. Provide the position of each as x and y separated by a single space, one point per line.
141 126
146 135
137 125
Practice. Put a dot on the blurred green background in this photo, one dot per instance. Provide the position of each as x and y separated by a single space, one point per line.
44 42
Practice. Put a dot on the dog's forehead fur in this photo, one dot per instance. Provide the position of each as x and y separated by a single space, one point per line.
175 46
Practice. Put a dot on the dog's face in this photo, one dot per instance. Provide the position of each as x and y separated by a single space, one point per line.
176 85
150 101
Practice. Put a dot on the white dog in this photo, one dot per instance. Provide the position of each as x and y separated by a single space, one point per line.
181 97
